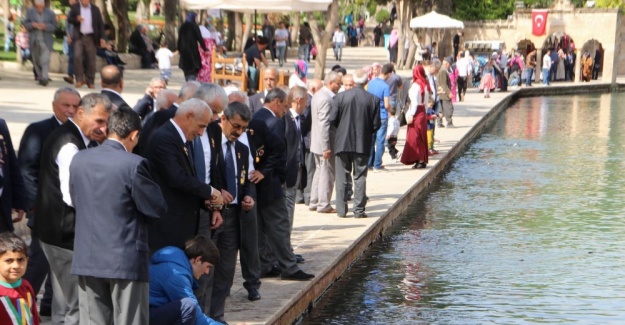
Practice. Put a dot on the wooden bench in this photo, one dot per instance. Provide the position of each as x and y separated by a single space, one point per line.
225 69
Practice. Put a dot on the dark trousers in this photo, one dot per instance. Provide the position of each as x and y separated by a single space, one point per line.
346 164
274 237
595 72
390 145
37 272
553 70
190 75
179 312
70 61
204 289
84 59
250 262
462 87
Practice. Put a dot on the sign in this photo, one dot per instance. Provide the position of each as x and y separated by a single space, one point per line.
539 22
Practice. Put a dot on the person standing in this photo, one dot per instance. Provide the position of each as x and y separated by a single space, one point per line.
40 23
338 39
54 211
322 137
189 36
546 67
305 37
306 124
530 64
69 33
88 34
111 291
112 82
270 80
146 106
445 96
463 67
393 46
416 148
281 37
456 43
377 35
269 32
13 196
356 117
379 88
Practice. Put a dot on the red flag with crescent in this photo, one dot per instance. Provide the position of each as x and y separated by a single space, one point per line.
539 22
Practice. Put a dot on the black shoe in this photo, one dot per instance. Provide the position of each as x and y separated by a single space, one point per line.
43 83
440 125
298 276
253 295
299 201
45 311
274 273
300 259
359 216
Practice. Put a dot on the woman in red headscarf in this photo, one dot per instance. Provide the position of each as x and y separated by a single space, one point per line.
416 148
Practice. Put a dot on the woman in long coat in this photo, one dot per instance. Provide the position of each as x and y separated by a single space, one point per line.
189 36
416 148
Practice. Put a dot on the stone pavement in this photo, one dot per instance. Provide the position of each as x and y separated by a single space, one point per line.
328 243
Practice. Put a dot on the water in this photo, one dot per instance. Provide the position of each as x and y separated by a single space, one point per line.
526 227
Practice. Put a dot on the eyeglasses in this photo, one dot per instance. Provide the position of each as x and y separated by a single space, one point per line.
237 127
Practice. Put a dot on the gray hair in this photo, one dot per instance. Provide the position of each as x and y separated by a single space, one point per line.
196 106
330 77
298 92
65 90
139 28
210 92
90 101
163 99
274 94
157 79
239 96
238 108
39 2
188 89
360 77
436 63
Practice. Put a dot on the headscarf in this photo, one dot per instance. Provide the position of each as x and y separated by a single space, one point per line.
394 38
419 77
301 69
191 17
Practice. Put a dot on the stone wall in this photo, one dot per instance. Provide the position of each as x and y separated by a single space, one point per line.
620 39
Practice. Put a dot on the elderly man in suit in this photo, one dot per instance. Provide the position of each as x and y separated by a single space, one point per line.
12 191
356 117
270 80
170 153
113 288
88 36
54 211
40 23
313 87
267 137
146 106
64 106
322 145
112 81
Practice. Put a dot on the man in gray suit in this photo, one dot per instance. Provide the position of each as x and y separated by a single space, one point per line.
111 254
322 144
40 23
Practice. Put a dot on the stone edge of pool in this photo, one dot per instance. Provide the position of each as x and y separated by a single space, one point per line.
301 303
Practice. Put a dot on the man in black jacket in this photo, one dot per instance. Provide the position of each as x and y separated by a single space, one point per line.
112 81
86 39
146 106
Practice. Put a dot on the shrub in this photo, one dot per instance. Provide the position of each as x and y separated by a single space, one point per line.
382 16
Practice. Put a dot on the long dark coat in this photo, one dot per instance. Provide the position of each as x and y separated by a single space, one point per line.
189 36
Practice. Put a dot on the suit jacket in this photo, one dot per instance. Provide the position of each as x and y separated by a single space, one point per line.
49 18
356 117
116 99
322 131
144 107
115 224
306 123
444 82
13 190
218 179
96 22
151 124
172 167
29 157
257 102
136 44
54 219
266 137
295 160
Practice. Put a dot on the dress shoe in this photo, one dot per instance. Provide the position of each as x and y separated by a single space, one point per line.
331 210
79 84
253 295
312 209
299 201
300 259
43 83
359 216
91 86
275 272
69 79
298 276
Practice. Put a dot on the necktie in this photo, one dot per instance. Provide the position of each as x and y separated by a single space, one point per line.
92 144
297 122
198 160
231 181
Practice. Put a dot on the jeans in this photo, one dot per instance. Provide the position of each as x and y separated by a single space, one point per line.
528 77
304 52
377 149
8 42
253 75
338 50
179 312
166 74
545 76
70 61
281 54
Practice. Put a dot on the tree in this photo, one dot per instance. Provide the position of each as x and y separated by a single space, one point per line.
169 9
120 9
322 40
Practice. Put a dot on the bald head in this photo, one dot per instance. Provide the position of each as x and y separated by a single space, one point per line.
111 77
239 96
188 89
165 99
270 78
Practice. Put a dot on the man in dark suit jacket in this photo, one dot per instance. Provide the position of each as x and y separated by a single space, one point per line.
86 39
54 212
356 116
267 137
146 106
114 227
12 192
170 154
64 105
112 81
270 80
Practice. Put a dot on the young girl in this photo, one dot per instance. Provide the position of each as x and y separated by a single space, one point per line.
22 42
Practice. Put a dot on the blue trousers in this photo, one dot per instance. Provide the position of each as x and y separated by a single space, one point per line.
377 148
529 75
545 76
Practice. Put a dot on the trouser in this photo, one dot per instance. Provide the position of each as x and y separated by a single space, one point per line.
250 262
377 147
346 163
273 222
310 171
390 145
64 285
204 289
37 272
462 87
303 52
190 75
178 312
448 110
281 54
322 184
338 50
113 301
595 72
545 76
41 59
289 197
84 59
70 61
227 239
528 76
253 78
553 70
430 135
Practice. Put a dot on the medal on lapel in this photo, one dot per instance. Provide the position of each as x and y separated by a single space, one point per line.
238 155
212 142
186 151
242 177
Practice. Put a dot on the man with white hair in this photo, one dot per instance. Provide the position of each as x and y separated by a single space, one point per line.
40 23
147 105
166 99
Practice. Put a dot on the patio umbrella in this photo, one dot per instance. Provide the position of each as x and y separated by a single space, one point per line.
434 20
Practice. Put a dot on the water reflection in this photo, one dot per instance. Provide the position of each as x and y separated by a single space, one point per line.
525 228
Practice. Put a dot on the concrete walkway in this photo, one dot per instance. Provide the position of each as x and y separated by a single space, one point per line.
328 243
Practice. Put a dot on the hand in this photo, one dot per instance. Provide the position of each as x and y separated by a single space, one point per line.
256 176
217 220
102 43
149 91
248 203
69 40
409 119
227 196
327 154
80 19
387 137
20 216
216 198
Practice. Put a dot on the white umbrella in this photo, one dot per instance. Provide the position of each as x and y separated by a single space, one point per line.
434 20
259 5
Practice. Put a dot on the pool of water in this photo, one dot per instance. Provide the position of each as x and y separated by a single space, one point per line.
526 227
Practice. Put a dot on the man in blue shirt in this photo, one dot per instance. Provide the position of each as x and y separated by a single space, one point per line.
378 87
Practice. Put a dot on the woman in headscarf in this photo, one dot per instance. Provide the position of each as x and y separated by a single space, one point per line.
392 46
204 75
298 78
416 148
189 36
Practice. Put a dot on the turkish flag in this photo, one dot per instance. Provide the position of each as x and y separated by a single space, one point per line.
539 22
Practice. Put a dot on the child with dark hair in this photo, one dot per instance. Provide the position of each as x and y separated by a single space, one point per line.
392 132
431 118
17 296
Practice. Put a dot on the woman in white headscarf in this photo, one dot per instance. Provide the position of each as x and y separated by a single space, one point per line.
206 71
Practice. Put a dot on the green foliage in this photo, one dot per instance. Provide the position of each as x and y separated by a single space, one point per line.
610 4
382 16
372 7
483 9
538 3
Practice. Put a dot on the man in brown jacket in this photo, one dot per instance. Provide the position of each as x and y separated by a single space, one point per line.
444 93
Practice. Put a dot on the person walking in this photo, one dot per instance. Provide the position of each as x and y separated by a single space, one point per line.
530 64
40 23
88 34
338 39
379 88
281 38
416 149
189 36
305 38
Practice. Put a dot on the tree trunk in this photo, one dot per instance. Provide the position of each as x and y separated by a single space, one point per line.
231 30
249 22
404 14
322 41
6 6
169 9
105 15
238 29
120 9
295 28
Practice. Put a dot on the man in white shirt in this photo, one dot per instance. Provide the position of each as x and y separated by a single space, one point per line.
338 39
88 35
546 67
463 67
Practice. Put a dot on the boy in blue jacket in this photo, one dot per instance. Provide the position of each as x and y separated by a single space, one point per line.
173 275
